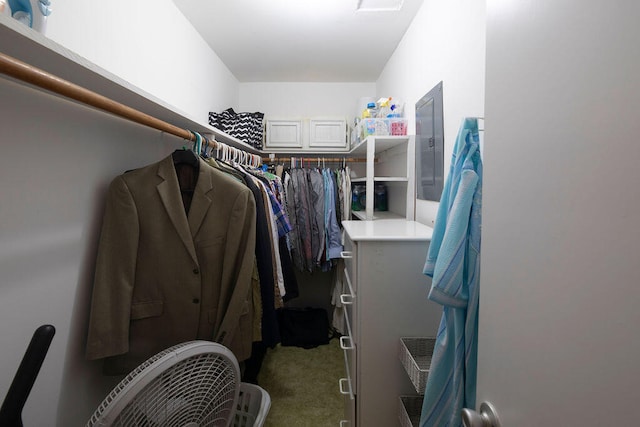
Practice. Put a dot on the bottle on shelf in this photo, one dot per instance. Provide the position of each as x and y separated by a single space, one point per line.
371 111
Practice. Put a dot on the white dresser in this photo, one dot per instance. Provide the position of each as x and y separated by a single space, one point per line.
385 298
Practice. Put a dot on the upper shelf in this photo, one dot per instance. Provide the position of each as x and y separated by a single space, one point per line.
383 143
33 48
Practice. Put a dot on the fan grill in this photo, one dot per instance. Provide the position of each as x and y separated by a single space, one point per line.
199 390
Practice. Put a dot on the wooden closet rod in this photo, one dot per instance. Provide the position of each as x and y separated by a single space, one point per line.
35 76
315 159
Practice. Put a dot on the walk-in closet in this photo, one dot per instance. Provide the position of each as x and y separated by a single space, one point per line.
429 221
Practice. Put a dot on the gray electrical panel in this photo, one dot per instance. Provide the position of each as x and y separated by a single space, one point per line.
430 145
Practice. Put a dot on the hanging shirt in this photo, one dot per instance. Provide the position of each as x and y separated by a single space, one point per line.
275 251
334 247
303 212
264 258
453 262
272 189
293 237
317 199
345 193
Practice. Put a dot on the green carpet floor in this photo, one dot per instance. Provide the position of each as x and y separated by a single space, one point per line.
303 385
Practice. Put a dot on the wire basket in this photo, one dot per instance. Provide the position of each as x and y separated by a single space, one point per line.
415 355
409 409
253 406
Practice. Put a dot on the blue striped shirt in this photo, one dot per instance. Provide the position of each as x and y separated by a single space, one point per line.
453 263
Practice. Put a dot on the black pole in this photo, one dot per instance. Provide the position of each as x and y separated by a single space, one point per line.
11 411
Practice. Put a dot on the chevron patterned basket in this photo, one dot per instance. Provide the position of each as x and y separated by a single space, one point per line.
247 127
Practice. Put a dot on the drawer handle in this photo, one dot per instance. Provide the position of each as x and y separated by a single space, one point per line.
344 423
346 254
346 343
347 299
342 390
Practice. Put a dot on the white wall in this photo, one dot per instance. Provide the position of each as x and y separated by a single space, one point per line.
58 158
445 42
150 44
304 100
560 276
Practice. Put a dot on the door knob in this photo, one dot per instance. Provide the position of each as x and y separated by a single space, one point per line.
488 417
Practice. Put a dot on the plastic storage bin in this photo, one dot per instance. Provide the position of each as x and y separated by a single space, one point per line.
253 406
415 355
409 410
374 127
389 126
397 126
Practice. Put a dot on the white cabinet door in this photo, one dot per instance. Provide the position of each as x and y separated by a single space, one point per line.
328 134
284 134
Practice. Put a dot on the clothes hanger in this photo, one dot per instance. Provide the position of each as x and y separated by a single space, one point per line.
223 157
184 156
206 149
197 144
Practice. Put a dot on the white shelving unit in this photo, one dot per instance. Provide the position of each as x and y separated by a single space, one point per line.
391 161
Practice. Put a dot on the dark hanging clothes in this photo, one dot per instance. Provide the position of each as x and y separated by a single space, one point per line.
303 220
290 281
270 331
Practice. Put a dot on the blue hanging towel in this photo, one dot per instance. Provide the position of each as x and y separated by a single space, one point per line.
453 263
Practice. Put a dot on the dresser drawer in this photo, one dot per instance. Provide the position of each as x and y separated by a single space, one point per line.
349 302
350 255
349 348
349 419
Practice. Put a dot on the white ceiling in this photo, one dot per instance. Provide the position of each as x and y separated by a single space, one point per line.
299 40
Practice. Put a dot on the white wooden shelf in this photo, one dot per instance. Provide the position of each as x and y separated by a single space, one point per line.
383 143
383 179
377 215
389 160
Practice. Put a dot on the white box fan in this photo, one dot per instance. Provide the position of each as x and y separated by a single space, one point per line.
194 384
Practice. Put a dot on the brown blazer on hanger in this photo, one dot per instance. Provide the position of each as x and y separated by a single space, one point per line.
164 277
